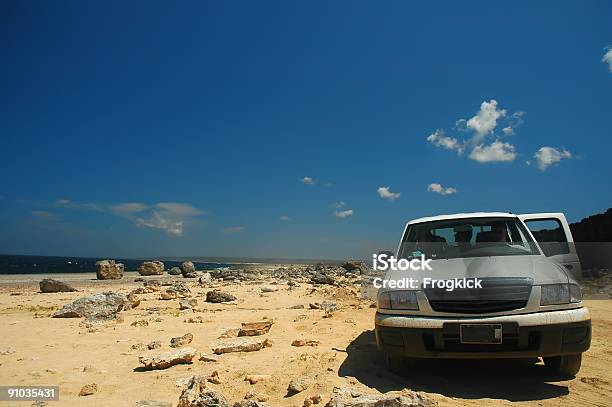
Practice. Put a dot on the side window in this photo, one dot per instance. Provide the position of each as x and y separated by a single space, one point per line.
550 235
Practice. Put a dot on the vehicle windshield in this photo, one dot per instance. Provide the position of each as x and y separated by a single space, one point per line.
471 237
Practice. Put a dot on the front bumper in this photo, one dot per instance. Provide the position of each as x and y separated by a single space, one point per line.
539 334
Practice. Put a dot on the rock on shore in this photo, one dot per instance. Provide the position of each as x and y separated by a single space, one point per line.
168 359
49 285
97 305
109 270
151 268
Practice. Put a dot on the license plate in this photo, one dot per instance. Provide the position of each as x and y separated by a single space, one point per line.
481 333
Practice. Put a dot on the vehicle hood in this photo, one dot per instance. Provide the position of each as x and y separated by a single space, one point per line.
538 268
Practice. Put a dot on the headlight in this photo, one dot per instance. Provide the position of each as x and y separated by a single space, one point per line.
575 293
398 300
553 294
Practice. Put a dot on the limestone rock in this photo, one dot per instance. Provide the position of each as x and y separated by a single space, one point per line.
297 385
88 389
268 289
242 345
187 303
168 295
321 278
151 268
188 270
249 403
168 359
152 403
255 328
256 378
97 305
347 397
196 394
49 285
205 278
109 270
175 271
181 340
217 296
214 378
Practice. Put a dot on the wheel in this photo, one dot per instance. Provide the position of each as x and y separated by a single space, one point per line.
566 364
395 364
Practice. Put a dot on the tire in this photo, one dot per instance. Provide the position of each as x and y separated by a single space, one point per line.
395 364
565 365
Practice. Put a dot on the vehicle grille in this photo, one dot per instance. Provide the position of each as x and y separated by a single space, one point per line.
496 295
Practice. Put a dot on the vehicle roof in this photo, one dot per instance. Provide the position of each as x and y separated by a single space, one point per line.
464 215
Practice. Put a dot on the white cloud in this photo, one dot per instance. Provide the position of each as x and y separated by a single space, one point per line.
129 208
385 193
68 204
284 218
439 139
233 229
343 214
508 131
307 181
172 227
485 121
439 189
496 151
179 209
547 156
607 57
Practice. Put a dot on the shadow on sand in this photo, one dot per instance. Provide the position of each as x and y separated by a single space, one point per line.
513 380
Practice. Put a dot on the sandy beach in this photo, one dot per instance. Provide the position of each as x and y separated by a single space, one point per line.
36 349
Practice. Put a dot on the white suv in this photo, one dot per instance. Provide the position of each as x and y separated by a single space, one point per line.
529 305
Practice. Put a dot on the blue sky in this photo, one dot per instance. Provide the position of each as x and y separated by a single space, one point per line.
151 129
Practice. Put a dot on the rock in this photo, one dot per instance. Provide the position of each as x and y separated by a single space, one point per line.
151 268
187 304
315 399
205 278
195 320
256 378
256 396
49 285
297 386
88 389
132 301
249 403
242 345
321 278
255 328
154 345
208 358
109 270
101 305
152 285
214 378
168 295
352 266
188 270
217 296
181 340
168 359
347 397
152 403
140 323
305 342
268 289
175 271
298 306
196 394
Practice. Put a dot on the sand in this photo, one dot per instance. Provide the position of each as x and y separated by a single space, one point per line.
36 349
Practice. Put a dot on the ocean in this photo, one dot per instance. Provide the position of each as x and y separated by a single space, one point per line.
19 264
